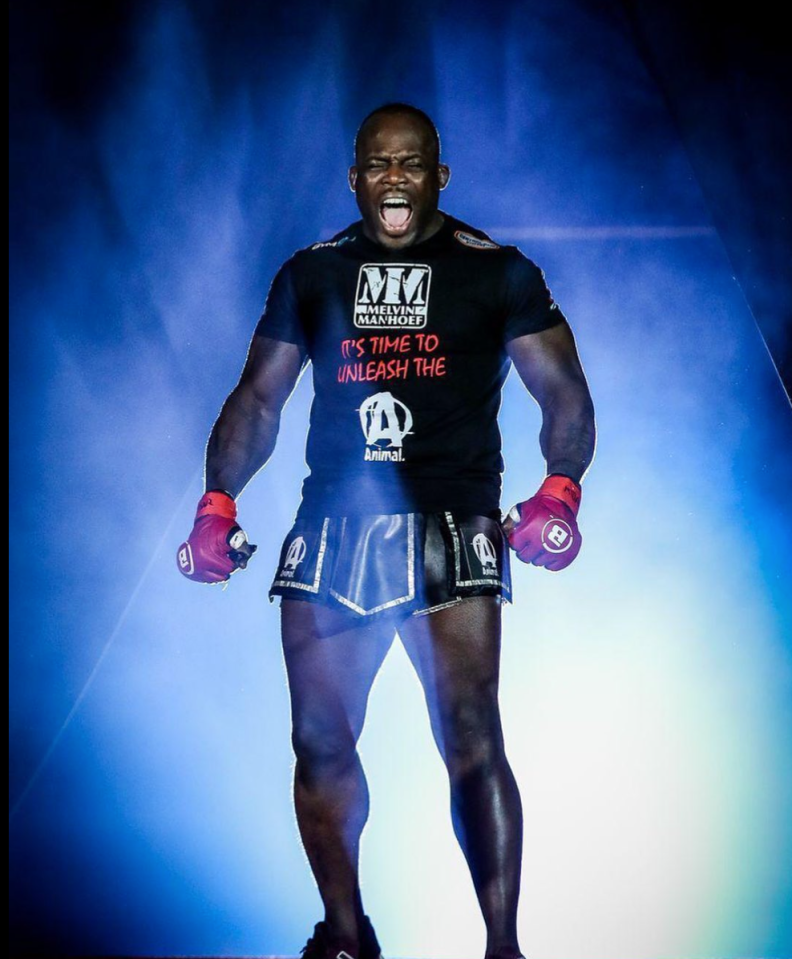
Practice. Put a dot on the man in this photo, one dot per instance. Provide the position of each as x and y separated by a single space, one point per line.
411 319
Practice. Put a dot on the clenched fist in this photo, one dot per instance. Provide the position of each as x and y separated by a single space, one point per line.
217 545
543 530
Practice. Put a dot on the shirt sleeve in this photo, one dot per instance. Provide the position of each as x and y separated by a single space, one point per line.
281 317
529 305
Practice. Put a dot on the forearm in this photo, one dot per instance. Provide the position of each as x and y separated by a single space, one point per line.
568 433
241 441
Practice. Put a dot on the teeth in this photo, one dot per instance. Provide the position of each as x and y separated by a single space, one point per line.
395 201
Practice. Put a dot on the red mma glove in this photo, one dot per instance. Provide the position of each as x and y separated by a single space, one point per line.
543 530
217 544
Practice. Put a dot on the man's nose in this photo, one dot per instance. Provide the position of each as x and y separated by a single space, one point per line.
394 173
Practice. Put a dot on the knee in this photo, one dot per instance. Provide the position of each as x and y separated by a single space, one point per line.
322 749
471 733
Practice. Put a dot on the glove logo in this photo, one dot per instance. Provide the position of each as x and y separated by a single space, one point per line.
557 536
185 558
383 417
238 540
485 553
294 556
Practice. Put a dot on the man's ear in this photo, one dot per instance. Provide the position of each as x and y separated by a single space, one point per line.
352 178
443 175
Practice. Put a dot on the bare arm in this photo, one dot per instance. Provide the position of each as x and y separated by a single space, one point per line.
549 366
243 437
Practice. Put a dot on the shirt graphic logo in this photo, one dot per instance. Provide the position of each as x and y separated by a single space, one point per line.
392 296
557 536
385 420
485 552
294 556
475 241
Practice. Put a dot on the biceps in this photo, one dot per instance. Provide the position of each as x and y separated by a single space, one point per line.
271 371
547 362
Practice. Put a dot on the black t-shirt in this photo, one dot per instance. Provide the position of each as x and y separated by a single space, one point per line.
409 359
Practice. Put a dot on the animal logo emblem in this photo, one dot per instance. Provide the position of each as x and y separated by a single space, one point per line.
485 553
395 295
385 420
294 556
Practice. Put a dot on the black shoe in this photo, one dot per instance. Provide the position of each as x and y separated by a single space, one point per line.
369 947
319 945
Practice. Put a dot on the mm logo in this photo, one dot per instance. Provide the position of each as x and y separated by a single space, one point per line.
393 296
384 419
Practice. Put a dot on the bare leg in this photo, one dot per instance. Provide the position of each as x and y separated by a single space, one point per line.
456 653
331 665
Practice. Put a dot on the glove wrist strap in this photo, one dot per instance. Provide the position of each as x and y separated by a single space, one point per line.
216 502
563 488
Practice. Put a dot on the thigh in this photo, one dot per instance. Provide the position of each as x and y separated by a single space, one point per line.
456 654
331 663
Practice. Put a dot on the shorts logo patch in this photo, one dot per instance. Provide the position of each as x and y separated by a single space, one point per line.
294 556
557 536
385 420
476 242
392 296
485 553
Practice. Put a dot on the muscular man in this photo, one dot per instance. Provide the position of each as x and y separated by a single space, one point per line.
411 319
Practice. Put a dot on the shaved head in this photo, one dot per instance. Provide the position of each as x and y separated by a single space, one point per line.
397 176
371 121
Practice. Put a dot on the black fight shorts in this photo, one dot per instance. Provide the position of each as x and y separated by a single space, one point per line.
403 563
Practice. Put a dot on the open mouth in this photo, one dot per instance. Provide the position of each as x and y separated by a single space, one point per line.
395 213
